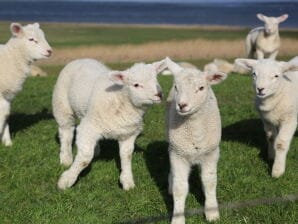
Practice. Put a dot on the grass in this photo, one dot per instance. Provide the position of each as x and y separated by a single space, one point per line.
29 170
74 35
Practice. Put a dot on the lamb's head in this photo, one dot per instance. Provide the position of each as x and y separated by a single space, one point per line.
192 87
267 74
271 23
32 39
140 82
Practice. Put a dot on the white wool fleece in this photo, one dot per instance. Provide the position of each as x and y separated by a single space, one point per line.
26 45
194 132
110 104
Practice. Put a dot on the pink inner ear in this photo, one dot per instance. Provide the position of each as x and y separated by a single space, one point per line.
215 77
16 29
119 77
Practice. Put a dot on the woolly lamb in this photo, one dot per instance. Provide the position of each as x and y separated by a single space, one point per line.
110 104
194 132
264 41
275 84
26 45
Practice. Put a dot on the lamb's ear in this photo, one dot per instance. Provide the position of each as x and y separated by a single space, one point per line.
290 66
159 66
282 18
215 77
172 66
118 77
248 64
36 25
261 17
16 29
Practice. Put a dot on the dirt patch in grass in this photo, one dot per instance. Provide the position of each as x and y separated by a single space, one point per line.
179 50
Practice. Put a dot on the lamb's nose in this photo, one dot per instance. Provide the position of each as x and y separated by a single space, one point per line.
159 94
260 90
182 105
50 52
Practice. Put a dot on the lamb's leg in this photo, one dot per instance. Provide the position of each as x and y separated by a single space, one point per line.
273 55
126 148
180 171
260 54
6 140
86 140
66 137
4 128
271 132
209 181
281 146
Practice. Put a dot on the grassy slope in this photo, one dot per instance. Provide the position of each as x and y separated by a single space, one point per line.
30 168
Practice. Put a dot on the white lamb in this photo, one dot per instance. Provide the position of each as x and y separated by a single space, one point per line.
110 104
194 133
26 45
275 84
264 41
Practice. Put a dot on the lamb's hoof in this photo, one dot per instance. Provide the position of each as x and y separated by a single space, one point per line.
128 185
66 160
7 143
178 220
212 215
65 181
276 173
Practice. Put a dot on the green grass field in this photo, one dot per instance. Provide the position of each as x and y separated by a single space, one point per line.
29 170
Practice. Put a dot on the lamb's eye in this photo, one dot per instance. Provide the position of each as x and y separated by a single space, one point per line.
176 88
201 88
136 85
32 39
276 76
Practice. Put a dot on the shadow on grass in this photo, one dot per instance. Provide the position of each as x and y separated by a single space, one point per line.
109 150
249 132
157 162
21 121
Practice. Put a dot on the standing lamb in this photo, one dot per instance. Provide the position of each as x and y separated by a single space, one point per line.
194 132
264 41
276 100
110 104
26 45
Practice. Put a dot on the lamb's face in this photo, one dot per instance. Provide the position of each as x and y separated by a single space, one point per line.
141 83
267 74
192 87
33 39
266 77
191 91
271 23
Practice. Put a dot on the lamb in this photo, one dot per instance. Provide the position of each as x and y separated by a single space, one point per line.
26 45
276 100
194 132
264 41
110 105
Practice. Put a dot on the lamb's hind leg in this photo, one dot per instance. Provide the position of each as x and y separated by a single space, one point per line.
209 181
86 140
66 137
4 128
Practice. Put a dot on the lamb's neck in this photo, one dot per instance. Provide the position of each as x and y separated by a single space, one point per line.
17 55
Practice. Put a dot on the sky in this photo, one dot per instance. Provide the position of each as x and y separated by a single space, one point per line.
167 0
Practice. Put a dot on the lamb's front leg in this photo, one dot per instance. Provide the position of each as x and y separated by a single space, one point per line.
4 128
126 148
86 140
271 133
260 54
273 55
281 146
209 181
180 169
